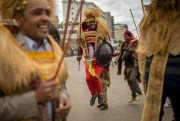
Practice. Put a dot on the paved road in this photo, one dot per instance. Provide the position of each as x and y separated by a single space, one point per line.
118 94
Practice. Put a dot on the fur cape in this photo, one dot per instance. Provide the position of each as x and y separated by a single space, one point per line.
102 31
159 30
18 69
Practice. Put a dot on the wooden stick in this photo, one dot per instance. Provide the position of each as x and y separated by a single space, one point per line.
142 3
66 25
66 45
134 22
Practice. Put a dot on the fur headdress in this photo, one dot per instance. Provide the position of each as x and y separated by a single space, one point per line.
8 8
93 15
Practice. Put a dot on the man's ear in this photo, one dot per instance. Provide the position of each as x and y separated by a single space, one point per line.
19 19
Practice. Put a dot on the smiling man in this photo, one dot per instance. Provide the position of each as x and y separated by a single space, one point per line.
27 90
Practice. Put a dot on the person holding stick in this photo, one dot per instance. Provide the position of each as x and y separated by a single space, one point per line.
29 60
92 32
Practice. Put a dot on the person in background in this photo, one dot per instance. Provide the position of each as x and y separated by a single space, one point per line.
54 32
131 71
28 91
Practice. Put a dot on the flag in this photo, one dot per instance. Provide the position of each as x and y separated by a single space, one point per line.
93 68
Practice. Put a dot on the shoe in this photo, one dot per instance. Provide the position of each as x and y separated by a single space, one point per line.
92 101
99 105
138 97
104 107
100 99
166 105
132 100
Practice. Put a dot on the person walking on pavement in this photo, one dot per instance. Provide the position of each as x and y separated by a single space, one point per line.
29 59
159 58
128 55
92 32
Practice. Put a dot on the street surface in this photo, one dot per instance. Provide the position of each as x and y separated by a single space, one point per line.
118 96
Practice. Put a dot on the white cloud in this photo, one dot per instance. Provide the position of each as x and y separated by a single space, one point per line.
120 9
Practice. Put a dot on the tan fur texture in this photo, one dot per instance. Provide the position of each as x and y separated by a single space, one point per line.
92 13
159 37
17 69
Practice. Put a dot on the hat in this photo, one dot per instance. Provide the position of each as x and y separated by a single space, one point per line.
127 32
91 14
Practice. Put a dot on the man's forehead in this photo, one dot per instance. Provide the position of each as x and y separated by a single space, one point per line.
42 4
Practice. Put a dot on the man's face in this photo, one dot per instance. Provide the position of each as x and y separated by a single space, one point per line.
126 38
35 19
91 25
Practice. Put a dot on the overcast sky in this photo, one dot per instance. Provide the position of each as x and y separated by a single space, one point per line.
120 9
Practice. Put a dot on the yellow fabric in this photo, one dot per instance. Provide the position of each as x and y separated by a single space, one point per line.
40 55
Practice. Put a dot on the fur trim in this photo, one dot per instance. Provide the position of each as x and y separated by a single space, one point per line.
92 13
17 69
161 24
159 30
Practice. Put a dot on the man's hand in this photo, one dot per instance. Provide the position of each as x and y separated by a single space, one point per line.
79 58
45 92
64 105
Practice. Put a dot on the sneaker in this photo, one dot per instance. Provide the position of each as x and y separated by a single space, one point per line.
92 101
138 97
132 100
104 107
166 105
100 105
100 99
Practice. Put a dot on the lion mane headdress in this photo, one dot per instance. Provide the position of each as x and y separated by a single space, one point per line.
93 15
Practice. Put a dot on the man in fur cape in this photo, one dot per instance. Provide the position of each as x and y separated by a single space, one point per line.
159 58
128 55
92 32
29 60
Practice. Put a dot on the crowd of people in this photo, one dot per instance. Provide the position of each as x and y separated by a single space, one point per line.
33 89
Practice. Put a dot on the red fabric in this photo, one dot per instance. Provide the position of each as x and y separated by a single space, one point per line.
126 31
98 69
94 84
129 41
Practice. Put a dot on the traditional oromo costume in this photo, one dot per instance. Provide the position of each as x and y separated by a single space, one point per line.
159 57
89 40
20 68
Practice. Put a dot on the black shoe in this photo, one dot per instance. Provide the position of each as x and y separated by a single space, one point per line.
104 107
100 99
92 101
99 105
